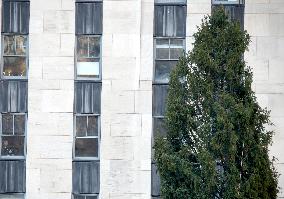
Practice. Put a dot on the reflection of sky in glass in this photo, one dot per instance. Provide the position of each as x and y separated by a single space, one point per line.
88 68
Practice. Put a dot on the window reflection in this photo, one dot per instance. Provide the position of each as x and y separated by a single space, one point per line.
86 147
88 57
14 66
12 146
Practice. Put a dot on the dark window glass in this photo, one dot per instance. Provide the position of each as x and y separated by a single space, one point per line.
19 124
176 48
163 70
81 126
169 49
93 126
159 127
160 94
82 46
15 17
15 44
170 21
88 97
86 147
228 1
162 49
155 181
13 96
12 196
14 66
15 50
78 197
88 57
91 197
94 47
89 18
12 145
234 12
170 1
7 124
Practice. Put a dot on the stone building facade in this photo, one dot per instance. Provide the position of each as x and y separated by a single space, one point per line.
126 94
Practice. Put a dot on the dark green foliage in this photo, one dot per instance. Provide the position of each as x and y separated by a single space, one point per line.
217 144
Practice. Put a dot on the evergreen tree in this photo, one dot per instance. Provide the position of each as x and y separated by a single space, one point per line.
217 143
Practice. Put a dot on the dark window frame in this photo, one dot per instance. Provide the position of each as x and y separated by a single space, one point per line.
5 157
84 195
93 79
155 82
3 55
226 2
79 158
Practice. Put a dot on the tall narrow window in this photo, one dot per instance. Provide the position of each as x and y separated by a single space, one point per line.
13 98
87 101
169 45
234 9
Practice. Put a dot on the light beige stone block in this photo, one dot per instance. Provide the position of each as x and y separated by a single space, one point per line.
275 103
276 70
199 8
264 8
126 125
257 24
260 68
269 88
44 45
57 101
122 102
147 16
263 100
118 22
45 5
122 68
55 181
117 148
68 4
67 44
56 124
59 21
143 102
276 24
270 47
35 68
56 147
125 45
192 21
58 68
36 21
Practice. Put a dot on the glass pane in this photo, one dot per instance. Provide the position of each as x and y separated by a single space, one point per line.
21 45
86 147
91 197
88 67
94 47
176 48
7 124
162 49
9 45
14 66
171 1
82 46
93 126
12 196
159 127
163 70
12 145
20 124
81 126
78 197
